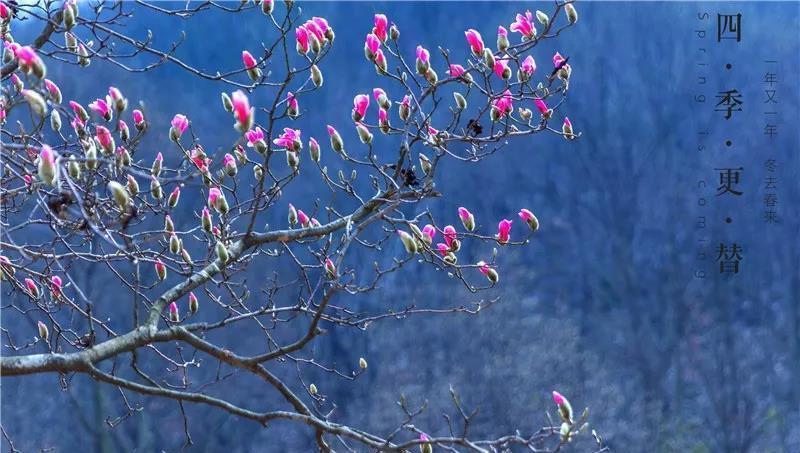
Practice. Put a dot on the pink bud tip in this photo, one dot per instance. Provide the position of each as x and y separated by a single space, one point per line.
558 398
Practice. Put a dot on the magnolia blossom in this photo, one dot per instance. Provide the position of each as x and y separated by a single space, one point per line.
53 91
540 104
104 138
428 233
483 267
371 46
467 219
504 231
48 172
443 249
303 218
79 111
174 316
360 104
381 26
501 68
323 26
558 60
290 139
214 194
475 41
241 109
138 119
315 30
456 70
32 288
301 36
524 25
380 60
450 235
248 60
100 106
423 55
528 65
179 123
26 55
528 217
254 136
291 102
503 104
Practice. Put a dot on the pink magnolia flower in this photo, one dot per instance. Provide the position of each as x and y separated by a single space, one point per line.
78 110
526 215
504 231
540 104
314 29
227 160
248 60
383 116
429 232
475 41
173 312
558 60
406 102
214 194
524 25
456 70
47 155
504 104
322 24
464 214
484 268
28 180
558 398
55 286
100 106
53 90
372 44
241 108
381 25
332 130
115 94
289 139
303 218
179 122
301 35
528 65
450 235
380 60
500 67
32 288
104 137
5 13
423 55
138 118
360 104
330 268
26 55
253 136
291 101
378 93
444 249
432 132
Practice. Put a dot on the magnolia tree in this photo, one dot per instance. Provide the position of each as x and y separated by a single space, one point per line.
81 196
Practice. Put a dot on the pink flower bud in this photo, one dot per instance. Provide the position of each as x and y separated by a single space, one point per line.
33 290
302 218
138 119
48 172
456 70
174 316
293 108
475 41
467 219
330 268
528 65
179 125
381 98
55 286
528 217
371 46
205 220
450 236
100 107
558 60
172 201
161 270
381 26
242 111
564 408
540 104
423 60
53 91
360 104
504 231
230 164
44 333
248 60
194 305
501 68
301 36
428 233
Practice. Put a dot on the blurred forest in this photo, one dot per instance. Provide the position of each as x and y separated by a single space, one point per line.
603 306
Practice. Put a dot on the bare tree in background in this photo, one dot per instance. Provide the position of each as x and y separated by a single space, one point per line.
77 198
